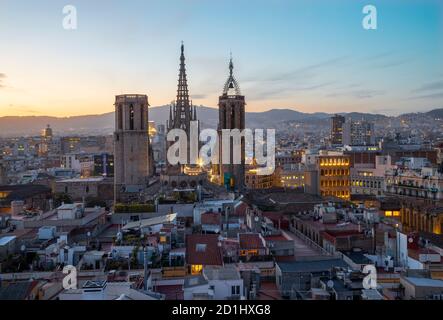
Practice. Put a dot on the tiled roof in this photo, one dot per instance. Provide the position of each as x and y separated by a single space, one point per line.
240 209
203 249
17 291
250 241
211 218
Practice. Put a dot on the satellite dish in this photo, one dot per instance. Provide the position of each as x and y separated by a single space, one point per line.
410 240
330 284
256 218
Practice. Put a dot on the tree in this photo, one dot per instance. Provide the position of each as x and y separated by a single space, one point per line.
60 198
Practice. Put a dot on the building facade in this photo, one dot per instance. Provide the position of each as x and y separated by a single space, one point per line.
131 141
334 175
358 133
231 107
337 123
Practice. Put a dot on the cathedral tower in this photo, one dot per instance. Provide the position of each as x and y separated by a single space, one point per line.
131 143
231 106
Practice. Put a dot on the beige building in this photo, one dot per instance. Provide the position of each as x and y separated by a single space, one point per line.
330 176
131 143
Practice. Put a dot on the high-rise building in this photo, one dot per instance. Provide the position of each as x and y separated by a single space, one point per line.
131 144
337 122
45 141
358 133
232 116
103 165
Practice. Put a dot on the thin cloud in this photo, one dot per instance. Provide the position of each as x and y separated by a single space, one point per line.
198 96
437 95
2 76
437 85
24 109
358 94
304 72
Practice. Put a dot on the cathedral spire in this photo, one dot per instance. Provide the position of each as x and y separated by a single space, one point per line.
182 88
231 83
182 109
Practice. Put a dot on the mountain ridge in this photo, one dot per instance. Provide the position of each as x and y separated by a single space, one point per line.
104 123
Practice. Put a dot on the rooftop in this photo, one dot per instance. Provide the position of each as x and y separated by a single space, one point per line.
211 218
195 281
424 282
150 222
228 272
6 240
250 241
203 249
311 265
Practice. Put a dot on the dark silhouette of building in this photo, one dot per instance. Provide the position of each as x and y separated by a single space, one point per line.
337 123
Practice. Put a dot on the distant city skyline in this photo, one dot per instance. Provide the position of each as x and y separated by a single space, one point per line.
310 56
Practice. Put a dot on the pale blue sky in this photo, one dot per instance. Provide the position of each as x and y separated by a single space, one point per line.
306 55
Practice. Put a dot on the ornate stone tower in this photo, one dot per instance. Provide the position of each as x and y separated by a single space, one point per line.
231 106
131 144
182 112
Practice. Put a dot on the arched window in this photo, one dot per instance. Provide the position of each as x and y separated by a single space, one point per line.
142 118
131 117
120 117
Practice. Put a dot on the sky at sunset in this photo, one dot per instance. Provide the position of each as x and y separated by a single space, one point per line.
305 55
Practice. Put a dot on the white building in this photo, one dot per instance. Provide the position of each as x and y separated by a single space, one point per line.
70 211
358 133
367 180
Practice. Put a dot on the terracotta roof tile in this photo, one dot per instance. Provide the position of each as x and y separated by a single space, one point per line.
211 218
203 249
250 241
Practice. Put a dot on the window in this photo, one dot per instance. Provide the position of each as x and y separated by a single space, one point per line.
200 247
120 118
235 290
142 118
131 117
196 269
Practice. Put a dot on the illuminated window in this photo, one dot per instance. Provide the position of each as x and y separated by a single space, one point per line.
196 269
388 213
396 213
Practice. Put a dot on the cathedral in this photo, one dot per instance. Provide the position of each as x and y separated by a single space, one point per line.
134 164
231 112
132 150
181 114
